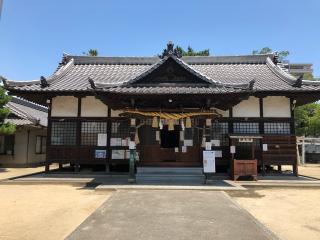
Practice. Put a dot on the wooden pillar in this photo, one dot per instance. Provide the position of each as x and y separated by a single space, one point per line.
261 121
292 122
48 142
230 122
261 130
132 177
78 134
109 122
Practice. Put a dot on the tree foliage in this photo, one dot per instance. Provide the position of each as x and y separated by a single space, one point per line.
282 54
91 52
191 52
307 118
5 128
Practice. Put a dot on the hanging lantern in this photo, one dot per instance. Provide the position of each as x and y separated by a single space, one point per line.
136 138
182 125
188 122
171 125
155 122
160 124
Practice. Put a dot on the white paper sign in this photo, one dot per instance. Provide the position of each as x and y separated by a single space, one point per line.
218 154
132 145
117 154
209 162
215 143
157 136
115 141
188 143
208 146
181 135
232 149
265 147
184 149
102 139
176 149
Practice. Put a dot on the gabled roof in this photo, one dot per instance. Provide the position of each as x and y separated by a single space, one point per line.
24 112
224 74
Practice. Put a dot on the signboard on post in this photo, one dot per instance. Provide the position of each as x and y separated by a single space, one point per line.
209 162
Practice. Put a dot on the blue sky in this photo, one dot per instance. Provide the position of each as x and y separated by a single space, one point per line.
35 33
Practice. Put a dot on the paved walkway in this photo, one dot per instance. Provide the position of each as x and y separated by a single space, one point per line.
170 215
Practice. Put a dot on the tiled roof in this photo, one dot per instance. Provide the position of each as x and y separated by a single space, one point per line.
27 113
113 74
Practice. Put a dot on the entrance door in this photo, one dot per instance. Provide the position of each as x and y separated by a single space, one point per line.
169 139
168 151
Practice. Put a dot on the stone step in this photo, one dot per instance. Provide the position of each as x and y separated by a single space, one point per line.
169 170
195 179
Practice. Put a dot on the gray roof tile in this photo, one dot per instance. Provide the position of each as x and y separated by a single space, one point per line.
28 113
116 71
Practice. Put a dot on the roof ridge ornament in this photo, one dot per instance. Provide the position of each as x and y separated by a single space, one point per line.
298 82
43 82
251 84
170 51
92 84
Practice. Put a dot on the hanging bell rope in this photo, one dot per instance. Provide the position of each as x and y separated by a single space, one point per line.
173 116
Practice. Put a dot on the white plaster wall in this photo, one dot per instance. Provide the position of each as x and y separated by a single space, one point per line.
92 107
19 159
247 108
115 113
64 106
276 106
33 156
223 113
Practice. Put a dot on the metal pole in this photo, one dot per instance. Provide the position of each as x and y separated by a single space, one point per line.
132 148
132 177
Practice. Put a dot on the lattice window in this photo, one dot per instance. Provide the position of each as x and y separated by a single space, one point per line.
246 127
120 129
90 131
63 133
219 131
277 128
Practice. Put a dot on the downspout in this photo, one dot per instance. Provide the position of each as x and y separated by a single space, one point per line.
28 139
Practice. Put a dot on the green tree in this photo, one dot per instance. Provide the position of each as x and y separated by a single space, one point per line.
282 54
191 52
91 52
5 128
307 118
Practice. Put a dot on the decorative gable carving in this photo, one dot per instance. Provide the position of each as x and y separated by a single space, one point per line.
171 72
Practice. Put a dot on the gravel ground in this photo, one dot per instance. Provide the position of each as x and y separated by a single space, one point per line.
291 213
45 211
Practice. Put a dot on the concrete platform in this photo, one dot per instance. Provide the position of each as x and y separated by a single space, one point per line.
170 215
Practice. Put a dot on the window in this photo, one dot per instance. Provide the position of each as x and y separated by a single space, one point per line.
90 131
6 144
120 129
219 131
246 127
277 128
63 133
41 144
